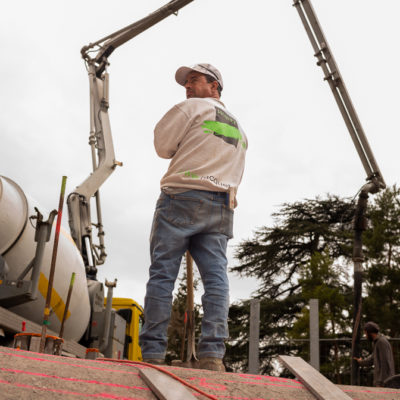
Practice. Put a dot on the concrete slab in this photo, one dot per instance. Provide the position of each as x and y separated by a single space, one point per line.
26 375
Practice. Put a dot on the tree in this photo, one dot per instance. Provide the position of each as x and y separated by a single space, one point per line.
323 280
307 253
382 276
275 317
280 257
276 254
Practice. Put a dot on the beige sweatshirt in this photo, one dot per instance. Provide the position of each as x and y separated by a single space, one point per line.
206 144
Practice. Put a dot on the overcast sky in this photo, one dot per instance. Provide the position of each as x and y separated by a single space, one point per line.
299 146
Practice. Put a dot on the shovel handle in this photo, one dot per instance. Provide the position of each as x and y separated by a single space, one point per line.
189 282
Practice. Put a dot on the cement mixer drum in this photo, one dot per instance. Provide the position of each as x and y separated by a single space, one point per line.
17 248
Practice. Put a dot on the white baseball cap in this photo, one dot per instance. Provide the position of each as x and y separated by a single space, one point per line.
207 69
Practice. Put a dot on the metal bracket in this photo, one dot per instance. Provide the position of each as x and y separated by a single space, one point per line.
19 291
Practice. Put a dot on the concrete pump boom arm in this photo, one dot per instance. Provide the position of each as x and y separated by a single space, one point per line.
109 43
103 158
375 180
332 75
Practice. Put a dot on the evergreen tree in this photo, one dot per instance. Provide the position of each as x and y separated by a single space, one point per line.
323 280
308 254
280 257
328 282
382 276
276 254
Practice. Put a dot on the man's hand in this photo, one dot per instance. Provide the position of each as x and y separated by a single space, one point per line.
357 359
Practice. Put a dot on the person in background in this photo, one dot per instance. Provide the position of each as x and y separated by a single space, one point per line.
381 357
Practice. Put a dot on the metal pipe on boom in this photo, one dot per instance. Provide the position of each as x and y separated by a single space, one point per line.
375 181
100 139
332 75
118 38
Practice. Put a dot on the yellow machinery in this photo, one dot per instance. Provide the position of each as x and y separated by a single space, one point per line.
132 312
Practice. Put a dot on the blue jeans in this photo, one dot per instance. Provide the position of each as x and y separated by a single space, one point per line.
201 222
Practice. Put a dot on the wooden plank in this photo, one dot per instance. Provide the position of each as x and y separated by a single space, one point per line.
165 387
316 383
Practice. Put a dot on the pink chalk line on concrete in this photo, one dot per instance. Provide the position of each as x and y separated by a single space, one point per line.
96 382
95 395
71 364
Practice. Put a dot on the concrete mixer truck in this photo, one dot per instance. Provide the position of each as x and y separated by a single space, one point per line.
109 326
26 240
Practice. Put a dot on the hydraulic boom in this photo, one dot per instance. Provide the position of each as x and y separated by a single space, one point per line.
332 75
100 139
375 181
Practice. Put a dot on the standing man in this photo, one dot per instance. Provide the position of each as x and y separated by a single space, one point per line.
194 212
381 357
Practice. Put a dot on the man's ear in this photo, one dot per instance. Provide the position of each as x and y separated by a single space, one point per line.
214 85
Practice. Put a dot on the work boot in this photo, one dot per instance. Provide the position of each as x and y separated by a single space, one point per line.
212 364
186 364
154 361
